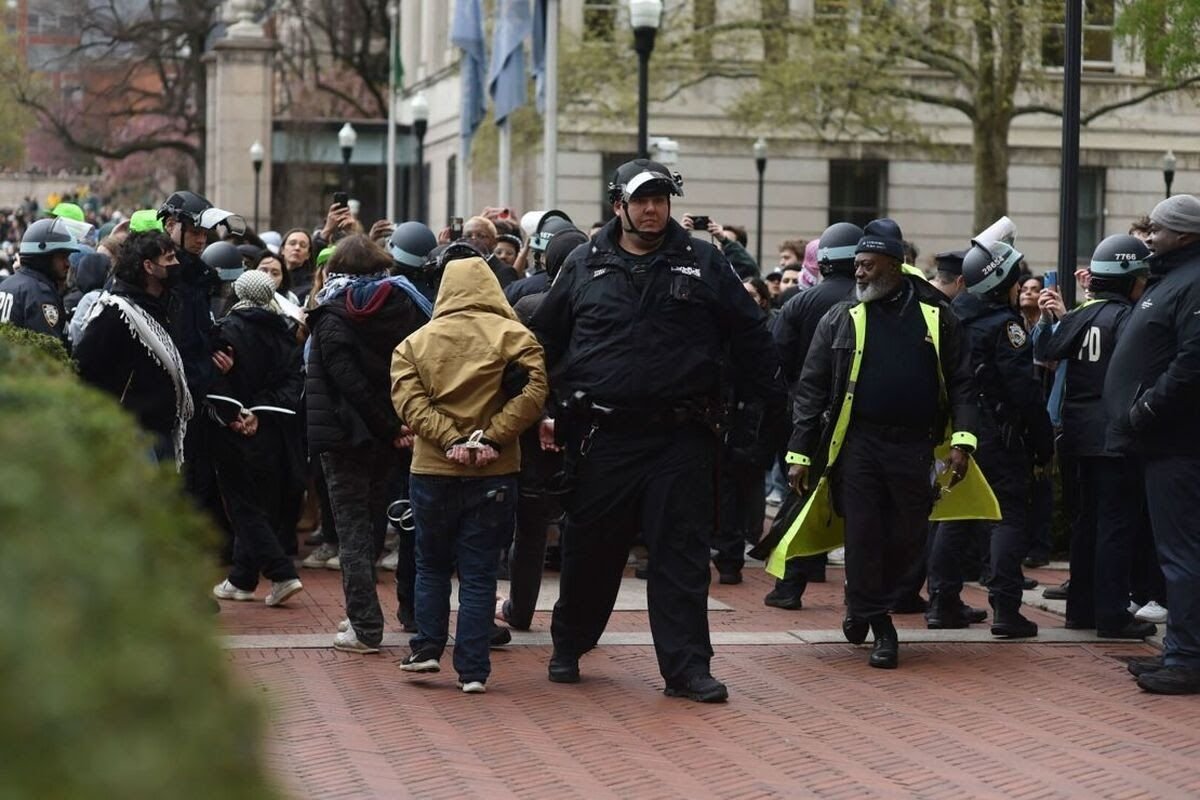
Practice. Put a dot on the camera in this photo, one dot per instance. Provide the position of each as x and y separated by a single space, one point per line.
456 228
341 199
700 222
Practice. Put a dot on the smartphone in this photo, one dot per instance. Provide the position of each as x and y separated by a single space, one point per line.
1051 279
456 228
341 199
700 222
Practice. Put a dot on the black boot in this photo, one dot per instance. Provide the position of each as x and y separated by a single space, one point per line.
1012 625
945 613
564 668
855 629
885 654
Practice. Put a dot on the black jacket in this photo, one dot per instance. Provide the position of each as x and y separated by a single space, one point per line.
30 299
796 323
348 384
1156 365
1011 401
112 358
1084 339
189 309
531 284
663 344
822 386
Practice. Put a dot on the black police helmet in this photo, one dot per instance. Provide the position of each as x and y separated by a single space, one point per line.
184 205
561 246
48 235
1119 256
551 223
410 243
835 249
443 254
225 258
991 267
642 177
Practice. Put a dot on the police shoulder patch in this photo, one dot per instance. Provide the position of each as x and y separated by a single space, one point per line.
50 312
1016 334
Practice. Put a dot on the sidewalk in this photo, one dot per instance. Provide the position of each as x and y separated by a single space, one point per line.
963 716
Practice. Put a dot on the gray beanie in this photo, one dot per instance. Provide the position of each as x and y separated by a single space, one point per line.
1179 213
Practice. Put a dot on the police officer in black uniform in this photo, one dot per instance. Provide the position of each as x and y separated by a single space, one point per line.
635 329
1013 423
793 331
32 298
1112 501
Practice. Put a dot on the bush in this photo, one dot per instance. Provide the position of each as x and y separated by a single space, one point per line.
112 683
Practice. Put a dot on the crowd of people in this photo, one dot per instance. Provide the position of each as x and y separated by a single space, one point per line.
512 393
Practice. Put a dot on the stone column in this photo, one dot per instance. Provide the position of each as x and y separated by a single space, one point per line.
240 104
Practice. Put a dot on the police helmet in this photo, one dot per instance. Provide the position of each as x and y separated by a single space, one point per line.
443 254
991 267
642 177
837 245
410 242
225 258
50 235
184 205
1120 255
551 223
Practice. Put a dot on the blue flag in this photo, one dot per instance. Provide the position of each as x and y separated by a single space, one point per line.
506 78
538 67
466 33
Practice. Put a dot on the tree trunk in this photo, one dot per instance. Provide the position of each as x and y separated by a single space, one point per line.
990 142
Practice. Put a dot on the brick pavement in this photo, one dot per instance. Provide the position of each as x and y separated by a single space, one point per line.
1026 720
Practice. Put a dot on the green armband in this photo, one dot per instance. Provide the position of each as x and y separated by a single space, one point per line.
796 458
965 440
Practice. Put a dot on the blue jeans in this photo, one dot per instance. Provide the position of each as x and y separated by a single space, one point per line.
463 523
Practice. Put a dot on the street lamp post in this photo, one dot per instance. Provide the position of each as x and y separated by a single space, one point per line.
760 163
256 158
1169 170
347 138
645 16
420 124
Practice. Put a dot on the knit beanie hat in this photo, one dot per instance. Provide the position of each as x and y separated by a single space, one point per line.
882 236
255 288
1179 213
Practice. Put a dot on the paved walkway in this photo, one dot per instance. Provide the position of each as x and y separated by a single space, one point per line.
963 717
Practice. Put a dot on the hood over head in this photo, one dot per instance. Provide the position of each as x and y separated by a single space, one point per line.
468 284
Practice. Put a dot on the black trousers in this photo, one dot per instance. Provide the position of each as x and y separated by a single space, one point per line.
535 508
882 489
1173 496
1009 474
252 489
659 483
741 509
1112 515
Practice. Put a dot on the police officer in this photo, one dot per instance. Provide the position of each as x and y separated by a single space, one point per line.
32 298
1150 392
793 332
635 329
886 375
948 276
1013 423
537 279
1111 503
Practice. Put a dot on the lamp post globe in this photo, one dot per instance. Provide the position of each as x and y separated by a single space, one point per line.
347 138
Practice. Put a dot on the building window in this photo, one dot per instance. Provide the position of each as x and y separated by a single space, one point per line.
857 191
608 166
1090 228
600 20
1098 19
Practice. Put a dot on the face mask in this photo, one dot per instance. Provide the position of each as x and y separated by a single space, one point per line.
173 276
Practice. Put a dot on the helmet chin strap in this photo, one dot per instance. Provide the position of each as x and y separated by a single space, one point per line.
646 236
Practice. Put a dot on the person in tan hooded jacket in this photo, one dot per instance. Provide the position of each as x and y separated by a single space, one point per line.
468 384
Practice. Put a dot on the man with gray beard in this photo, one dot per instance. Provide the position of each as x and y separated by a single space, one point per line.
884 377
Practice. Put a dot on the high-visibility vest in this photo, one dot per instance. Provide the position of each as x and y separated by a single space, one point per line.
818 528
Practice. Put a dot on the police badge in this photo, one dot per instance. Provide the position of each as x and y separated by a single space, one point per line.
50 312
1016 334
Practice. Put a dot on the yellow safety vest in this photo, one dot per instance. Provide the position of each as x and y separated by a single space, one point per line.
818 528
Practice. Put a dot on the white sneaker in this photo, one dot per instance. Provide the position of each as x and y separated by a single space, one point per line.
390 561
227 591
282 590
472 687
1134 607
837 557
344 625
317 558
347 641
1151 612
334 563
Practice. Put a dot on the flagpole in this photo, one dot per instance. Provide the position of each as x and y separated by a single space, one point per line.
505 189
550 132
394 20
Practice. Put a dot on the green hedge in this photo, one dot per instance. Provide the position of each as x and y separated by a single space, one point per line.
112 682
